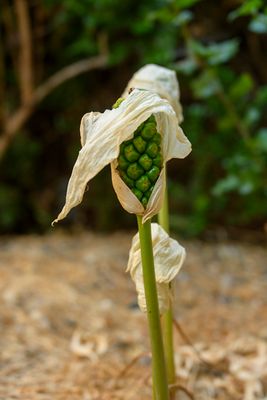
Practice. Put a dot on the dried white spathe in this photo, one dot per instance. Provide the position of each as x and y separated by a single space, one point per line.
101 137
169 256
160 80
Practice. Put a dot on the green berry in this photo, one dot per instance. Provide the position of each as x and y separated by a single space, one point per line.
151 119
123 163
130 153
129 182
140 128
144 201
134 171
153 173
152 149
118 102
137 193
149 192
145 161
143 183
157 138
123 145
148 131
139 144
158 160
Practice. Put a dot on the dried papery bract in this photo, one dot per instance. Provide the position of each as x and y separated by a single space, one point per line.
101 137
169 256
159 80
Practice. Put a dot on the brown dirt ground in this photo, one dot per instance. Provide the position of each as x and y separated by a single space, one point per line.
71 329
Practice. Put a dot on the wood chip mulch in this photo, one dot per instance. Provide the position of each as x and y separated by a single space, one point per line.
71 329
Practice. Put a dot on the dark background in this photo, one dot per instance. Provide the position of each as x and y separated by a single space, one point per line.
59 60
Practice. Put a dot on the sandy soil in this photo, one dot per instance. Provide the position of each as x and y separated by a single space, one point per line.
71 328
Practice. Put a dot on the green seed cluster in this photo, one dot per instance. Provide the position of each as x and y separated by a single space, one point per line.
140 159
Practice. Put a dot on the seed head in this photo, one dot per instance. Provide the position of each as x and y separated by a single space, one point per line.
136 163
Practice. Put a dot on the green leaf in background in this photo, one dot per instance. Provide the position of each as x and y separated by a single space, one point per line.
183 18
258 24
206 85
222 52
181 4
252 116
232 183
249 7
261 97
215 53
241 87
186 67
261 140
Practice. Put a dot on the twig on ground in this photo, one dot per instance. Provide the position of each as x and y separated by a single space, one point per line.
188 341
208 365
132 363
177 386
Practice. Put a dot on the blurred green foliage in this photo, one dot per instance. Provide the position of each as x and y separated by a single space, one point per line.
220 57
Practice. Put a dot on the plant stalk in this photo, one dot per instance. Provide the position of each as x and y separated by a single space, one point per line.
167 318
159 374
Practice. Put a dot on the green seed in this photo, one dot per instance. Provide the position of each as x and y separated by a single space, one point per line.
123 163
140 127
134 171
130 153
144 201
118 102
145 161
157 138
148 131
149 192
137 193
152 149
153 173
143 183
129 182
124 144
158 161
151 119
139 144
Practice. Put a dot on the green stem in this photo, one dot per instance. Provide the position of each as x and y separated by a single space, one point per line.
167 319
160 383
167 329
163 215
